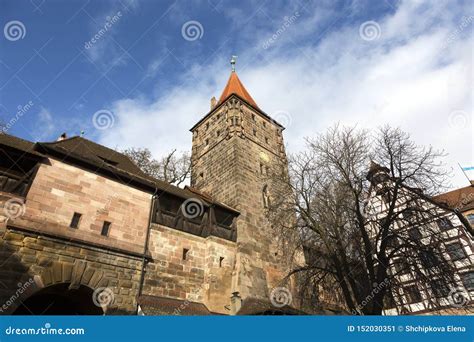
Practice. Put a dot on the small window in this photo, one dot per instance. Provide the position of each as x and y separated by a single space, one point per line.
429 259
201 175
218 132
439 288
254 132
444 224
253 117
76 218
266 140
414 234
206 142
413 294
207 126
468 280
456 251
264 124
105 228
470 218
221 259
185 253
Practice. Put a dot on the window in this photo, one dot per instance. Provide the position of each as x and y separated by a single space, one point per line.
206 142
470 218
414 234
444 224
266 197
264 124
401 267
389 301
429 259
266 140
105 228
253 117
413 295
468 280
185 253
456 251
221 259
207 126
439 288
392 241
218 132
254 132
76 218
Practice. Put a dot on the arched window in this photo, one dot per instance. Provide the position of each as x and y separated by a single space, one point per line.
265 196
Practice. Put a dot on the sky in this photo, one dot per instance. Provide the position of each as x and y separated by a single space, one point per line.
141 73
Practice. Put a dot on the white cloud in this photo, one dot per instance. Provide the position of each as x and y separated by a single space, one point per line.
406 78
46 125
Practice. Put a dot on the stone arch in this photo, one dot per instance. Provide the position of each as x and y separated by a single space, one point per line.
63 277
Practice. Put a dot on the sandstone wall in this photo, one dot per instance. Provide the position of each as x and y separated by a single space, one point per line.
59 190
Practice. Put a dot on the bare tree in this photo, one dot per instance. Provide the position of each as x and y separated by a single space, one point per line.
361 229
172 168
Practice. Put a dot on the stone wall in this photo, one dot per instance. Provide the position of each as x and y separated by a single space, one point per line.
30 258
199 276
232 150
59 190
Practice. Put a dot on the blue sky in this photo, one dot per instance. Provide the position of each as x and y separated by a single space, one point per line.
309 64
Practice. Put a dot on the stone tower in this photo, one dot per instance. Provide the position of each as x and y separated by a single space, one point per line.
233 147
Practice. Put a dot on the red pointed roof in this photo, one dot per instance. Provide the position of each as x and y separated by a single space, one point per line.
234 86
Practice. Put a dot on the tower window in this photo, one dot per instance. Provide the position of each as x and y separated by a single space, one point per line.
264 124
266 140
218 132
207 125
105 228
266 197
206 142
75 220
254 132
221 259
185 253
253 117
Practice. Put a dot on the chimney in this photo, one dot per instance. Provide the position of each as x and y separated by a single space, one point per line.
235 303
213 102
62 137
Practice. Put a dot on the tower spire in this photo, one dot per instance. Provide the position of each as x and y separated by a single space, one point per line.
233 60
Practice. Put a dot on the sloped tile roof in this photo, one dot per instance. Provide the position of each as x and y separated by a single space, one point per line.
235 86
